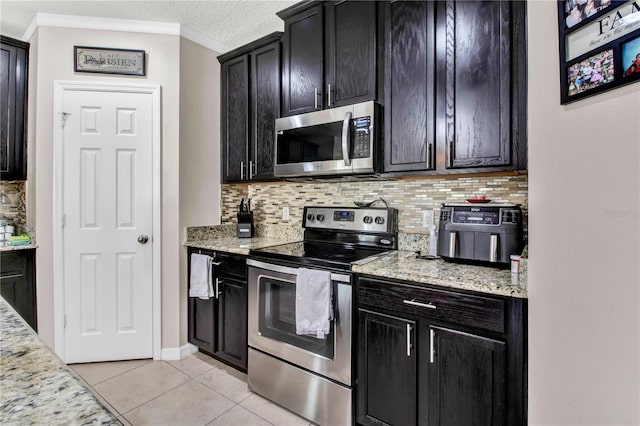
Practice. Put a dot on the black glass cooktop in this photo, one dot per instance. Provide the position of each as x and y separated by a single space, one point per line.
318 254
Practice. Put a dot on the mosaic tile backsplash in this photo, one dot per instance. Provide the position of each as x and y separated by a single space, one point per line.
409 195
16 213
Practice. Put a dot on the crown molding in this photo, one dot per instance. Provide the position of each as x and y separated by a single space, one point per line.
124 25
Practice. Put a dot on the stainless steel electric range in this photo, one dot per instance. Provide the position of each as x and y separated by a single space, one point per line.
308 375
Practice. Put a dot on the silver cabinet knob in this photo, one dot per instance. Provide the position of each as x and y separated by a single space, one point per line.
142 239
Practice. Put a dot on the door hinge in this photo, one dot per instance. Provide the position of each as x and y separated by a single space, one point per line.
65 116
64 220
65 320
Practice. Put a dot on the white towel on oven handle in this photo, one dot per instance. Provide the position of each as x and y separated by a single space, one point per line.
314 310
200 280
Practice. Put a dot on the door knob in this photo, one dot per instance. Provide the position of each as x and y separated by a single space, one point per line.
142 239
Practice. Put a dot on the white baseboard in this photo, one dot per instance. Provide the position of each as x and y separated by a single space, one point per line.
176 354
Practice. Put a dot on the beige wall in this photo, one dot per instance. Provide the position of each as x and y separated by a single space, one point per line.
199 150
53 53
584 199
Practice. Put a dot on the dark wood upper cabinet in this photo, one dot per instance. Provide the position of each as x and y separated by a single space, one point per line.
235 118
265 108
302 73
14 67
455 87
250 104
350 52
329 55
409 86
477 83
482 60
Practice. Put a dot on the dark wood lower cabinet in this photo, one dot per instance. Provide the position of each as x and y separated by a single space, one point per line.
387 367
218 325
466 379
232 321
417 366
18 283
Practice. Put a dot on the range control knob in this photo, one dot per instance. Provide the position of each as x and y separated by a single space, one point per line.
320 217
379 220
367 219
310 217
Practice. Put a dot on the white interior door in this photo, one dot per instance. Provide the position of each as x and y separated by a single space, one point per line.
107 212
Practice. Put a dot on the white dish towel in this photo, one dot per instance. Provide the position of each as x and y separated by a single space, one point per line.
313 302
200 280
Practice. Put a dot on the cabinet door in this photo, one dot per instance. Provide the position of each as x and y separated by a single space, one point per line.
477 83
386 377
265 108
409 86
466 379
350 52
232 321
13 109
235 119
17 283
302 76
202 323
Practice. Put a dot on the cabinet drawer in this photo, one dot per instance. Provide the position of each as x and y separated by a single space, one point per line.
229 265
459 308
12 264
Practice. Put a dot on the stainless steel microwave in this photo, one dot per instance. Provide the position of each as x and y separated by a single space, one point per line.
338 141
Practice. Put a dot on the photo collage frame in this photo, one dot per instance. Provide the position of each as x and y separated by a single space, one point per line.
599 46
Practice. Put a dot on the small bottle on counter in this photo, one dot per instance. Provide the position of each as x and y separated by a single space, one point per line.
515 264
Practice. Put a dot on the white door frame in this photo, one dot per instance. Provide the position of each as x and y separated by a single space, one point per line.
59 88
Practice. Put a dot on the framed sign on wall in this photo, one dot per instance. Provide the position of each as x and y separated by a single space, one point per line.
599 46
105 60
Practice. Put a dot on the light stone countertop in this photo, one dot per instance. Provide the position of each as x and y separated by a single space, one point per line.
37 387
16 248
403 265
236 245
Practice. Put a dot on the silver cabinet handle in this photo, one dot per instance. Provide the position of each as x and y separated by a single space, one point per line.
493 248
346 138
316 97
452 243
432 335
328 94
408 339
250 169
242 170
216 263
143 239
422 305
217 284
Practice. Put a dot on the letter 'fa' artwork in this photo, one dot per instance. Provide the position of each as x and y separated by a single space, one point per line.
599 46
109 61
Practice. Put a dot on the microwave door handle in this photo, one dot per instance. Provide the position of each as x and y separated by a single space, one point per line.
346 139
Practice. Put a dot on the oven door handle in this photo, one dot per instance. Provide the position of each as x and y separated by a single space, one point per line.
292 271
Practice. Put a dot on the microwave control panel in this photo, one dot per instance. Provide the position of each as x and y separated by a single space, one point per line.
362 138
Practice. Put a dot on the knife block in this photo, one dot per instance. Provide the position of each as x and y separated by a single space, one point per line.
245 225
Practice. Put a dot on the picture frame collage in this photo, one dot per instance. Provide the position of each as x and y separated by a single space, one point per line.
599 46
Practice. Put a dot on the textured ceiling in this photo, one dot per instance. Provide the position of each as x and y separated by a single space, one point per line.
231 23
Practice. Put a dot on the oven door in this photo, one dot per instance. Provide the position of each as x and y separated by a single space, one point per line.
272 325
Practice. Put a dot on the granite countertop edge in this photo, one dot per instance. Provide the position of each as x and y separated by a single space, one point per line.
236 245
38 388
20 247
403 265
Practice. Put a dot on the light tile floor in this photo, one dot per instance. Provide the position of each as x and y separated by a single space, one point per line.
197 390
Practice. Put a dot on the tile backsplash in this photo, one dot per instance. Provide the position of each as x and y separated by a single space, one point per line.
409 195
16 213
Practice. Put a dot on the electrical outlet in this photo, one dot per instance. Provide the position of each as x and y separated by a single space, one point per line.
427 218
285 213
